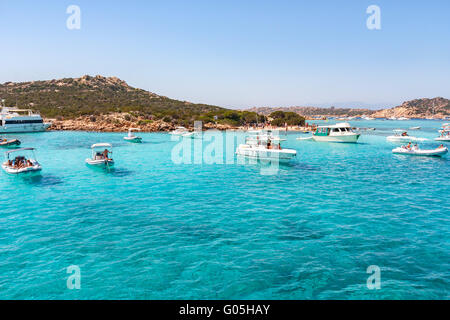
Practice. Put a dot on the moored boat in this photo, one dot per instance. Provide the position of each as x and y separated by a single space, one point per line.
20 164
401 135
101 158
340 132
131 137
416 151
9 143
444 134
13 120
266 147
193 135
179 131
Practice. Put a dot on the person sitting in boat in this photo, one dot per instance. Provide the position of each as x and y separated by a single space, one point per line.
29 163
405 134
269 144
408 146
441 146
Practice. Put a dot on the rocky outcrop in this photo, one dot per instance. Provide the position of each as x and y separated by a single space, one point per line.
437 108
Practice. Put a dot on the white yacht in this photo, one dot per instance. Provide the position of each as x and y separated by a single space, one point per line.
340 132
265 146
20 120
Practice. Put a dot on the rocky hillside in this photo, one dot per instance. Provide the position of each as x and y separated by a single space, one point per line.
419 108
100 97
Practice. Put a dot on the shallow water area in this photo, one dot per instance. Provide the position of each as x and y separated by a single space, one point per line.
153 229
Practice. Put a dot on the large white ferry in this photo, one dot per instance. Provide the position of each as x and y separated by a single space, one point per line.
14 120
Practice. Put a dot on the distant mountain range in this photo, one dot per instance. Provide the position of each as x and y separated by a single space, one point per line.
315 111
420 108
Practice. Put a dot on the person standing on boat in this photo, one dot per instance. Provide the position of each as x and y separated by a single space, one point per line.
105 154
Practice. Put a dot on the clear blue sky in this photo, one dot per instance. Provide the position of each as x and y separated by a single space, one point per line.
237 53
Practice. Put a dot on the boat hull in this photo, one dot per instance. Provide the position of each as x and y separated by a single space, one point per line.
10 143
24 128
269 155
100 163
36 169
424 153
404 139
347 138
133 139
443 139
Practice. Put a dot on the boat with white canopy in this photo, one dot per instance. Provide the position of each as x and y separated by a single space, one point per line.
131 137
401 135
21 161
100 155
265 146
444 133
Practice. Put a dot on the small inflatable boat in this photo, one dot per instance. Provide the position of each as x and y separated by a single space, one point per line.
20 164
131 137
101 158
438 152
9 143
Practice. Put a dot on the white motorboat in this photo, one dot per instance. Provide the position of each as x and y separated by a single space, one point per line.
444 134
100 155
415 128
402 119
340 132
13 120
179 131
266 147
131 137
401 135
193 135
9 143
415 151
367 118
21 164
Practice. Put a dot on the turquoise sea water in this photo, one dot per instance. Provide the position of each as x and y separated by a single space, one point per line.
152 229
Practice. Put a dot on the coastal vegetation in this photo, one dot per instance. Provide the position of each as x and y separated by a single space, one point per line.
280 118
93 97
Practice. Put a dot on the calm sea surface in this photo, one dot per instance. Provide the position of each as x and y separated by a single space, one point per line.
153 229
